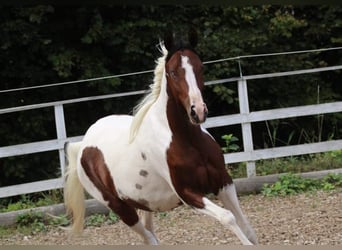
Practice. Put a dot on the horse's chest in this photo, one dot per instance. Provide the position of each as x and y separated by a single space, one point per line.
194 168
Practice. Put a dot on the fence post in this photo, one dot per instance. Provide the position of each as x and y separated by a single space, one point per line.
61 133
246 127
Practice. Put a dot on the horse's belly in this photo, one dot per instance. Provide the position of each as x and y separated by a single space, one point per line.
148 190
166 203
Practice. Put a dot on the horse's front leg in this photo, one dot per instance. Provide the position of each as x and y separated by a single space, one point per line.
230 201
205 206
226 217
147 220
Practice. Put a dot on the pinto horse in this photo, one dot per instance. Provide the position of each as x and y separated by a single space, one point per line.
157 159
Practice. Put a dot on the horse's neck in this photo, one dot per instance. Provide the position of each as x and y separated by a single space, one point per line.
157 112
171 115
179 122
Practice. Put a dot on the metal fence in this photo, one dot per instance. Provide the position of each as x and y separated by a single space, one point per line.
245 118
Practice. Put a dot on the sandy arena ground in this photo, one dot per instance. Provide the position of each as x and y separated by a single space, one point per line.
305 219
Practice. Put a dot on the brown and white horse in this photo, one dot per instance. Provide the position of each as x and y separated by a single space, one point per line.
158 159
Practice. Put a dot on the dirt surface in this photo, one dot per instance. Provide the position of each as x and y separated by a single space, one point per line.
305 219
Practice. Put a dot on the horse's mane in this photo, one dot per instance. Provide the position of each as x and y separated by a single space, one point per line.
141 109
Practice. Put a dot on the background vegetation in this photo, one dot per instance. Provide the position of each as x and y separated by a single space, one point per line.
47 44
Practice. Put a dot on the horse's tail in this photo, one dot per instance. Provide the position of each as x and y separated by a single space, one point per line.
73 189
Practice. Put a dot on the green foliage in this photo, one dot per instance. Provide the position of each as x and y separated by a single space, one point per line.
300 164
224 93
6 231
61 220
34 221
112 217
23 203
162 214
285 23
289 184
64 62
230 146
54 43
97 220
31 201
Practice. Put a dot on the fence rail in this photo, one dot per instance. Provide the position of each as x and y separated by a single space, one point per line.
245 118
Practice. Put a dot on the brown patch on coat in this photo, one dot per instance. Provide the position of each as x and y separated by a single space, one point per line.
94 166
195 160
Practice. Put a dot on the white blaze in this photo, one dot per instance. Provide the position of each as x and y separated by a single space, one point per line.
194 92
196 104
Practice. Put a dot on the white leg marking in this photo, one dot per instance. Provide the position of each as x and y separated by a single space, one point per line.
147 221
225 217
230 201
146 234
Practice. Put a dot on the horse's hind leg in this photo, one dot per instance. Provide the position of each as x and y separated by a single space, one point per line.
230 201
127 214
99 183
130 217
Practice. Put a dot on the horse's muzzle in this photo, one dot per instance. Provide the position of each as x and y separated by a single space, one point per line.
198 114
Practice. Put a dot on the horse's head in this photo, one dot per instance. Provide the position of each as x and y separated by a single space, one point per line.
184 74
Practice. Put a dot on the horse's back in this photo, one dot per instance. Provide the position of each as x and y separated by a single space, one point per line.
116 126
109 135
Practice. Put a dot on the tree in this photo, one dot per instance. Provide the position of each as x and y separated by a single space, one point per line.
54 43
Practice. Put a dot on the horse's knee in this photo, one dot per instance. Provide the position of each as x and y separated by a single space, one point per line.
228 219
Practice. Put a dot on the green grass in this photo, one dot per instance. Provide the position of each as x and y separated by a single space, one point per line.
290 184
31 201
33 222
96 220
293 164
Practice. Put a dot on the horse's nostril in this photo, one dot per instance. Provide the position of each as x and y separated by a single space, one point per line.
193 112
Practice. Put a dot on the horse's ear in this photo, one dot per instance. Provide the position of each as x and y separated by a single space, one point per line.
169 40
192 36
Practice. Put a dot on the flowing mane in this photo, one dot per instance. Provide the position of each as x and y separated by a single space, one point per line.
141 109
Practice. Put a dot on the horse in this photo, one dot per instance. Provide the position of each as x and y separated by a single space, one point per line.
157 159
